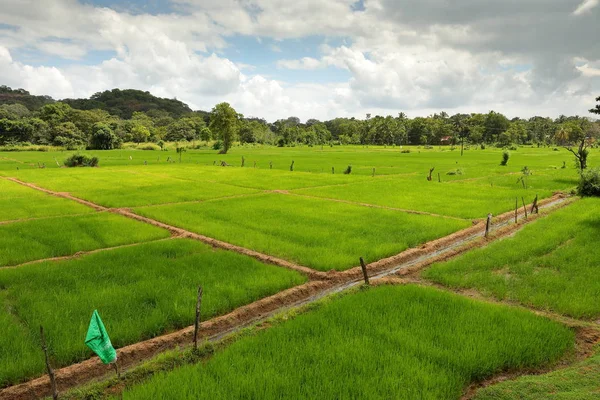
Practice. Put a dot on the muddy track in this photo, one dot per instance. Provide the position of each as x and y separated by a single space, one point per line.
410 261
12 221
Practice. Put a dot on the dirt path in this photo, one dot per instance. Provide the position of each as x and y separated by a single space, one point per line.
410 261
12 221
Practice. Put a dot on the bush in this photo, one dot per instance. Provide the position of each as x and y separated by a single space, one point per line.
457 171
348 170
589 183
218 145
81 160
405 151
148 146
505 157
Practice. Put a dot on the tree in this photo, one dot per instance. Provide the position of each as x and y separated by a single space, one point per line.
578 140
224 121
596 110
495 123
103 138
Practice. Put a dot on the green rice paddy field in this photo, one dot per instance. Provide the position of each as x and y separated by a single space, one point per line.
387 342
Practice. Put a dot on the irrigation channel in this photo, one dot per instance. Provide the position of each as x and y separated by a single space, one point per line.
320 285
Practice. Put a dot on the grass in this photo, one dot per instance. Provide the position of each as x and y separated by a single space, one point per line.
18 202
577 382
550 264
320 234
140 292
455 198
25 241
387 342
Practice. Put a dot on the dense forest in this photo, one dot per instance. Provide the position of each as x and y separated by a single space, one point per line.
107 119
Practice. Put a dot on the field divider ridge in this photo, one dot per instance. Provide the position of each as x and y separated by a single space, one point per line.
311 273
64 195
357 203
83 253
386 271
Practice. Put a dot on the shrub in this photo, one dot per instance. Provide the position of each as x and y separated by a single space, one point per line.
589 183
148 146
81 160
405 151
103 138
218 145
505 157
348 170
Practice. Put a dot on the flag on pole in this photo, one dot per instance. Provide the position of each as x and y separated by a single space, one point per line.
97 339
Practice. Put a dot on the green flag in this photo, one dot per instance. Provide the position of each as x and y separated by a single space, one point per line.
97 339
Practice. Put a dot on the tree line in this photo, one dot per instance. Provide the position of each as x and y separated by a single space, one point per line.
110 118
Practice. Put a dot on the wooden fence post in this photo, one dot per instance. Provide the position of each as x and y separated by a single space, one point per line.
364 271
197 321
373 171
48 367
439 178
333 170
292 166
524 207
488 225
534 206
516 210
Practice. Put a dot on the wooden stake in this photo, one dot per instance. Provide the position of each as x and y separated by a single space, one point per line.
364 271
488 225
333 170
439 178
117 370
292 166
524 207
516 209
48 367
534 206
197 321
270 164
373 171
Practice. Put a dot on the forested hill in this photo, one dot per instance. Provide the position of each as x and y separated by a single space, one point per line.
21 96
123 103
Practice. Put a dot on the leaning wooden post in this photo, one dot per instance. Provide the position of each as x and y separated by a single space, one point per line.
48 367
534 206
488 225
333 170
364 271
524 207
292 166
197 321
373 171
516 210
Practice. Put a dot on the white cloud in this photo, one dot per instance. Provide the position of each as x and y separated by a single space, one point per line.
586 7
407 55
304 63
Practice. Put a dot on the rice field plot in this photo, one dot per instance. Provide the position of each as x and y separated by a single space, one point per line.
577 382
25 241
457 199
388 342
18 202
140 291
550 264
116 187
316 233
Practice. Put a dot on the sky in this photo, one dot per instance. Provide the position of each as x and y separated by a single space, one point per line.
313 58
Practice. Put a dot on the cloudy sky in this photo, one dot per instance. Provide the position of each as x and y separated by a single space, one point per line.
313 58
